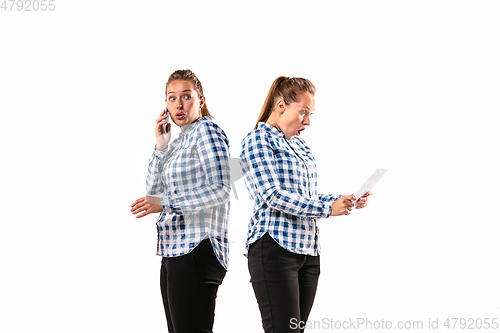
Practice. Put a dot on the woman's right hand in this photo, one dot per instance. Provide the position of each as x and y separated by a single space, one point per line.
343 205
162 137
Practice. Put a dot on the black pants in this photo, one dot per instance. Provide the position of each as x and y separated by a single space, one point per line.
284 283
189 285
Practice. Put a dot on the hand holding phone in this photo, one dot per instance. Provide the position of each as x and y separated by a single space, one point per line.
162 131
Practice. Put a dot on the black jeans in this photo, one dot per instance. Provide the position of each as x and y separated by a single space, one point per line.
284 284
189 285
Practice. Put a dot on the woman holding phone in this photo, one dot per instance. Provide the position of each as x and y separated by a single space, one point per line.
283 247
190 179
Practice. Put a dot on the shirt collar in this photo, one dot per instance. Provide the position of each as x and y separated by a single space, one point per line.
271 129
186 129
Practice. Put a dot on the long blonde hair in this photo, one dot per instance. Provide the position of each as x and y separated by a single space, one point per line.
287 88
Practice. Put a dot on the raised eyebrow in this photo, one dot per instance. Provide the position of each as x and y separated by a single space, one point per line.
173 92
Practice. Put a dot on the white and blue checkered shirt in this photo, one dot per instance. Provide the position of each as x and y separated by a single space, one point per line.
192 179
281 179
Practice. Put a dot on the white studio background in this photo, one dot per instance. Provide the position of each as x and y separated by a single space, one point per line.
412 85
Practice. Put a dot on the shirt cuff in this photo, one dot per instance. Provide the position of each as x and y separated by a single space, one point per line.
327 209
160 153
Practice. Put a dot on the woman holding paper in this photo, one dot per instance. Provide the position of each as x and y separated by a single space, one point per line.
283 237
190 179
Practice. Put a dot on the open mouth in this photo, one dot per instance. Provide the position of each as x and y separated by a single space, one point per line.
180 115
300 130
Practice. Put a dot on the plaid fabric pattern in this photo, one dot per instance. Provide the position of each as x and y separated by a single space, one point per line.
281 179
192 179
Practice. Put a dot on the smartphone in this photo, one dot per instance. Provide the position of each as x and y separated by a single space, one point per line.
166 119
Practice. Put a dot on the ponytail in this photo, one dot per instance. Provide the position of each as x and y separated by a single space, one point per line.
287 88
267 108
204 111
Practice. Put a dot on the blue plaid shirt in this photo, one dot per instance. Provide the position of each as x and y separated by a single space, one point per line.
191 177
281 178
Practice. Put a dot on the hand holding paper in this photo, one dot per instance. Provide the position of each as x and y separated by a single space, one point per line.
363 201
343 205
370 183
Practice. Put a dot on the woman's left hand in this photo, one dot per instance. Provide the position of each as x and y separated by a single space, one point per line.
142 205
363 201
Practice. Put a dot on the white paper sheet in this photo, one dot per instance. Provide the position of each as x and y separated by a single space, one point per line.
370 182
